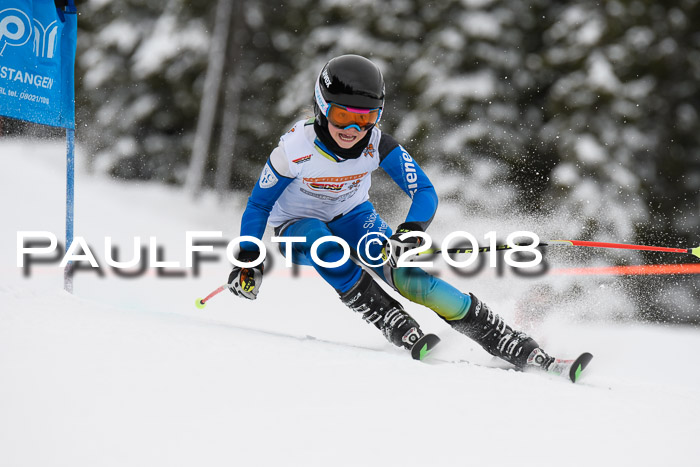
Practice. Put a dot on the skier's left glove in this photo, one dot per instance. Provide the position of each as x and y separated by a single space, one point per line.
245 282
395 247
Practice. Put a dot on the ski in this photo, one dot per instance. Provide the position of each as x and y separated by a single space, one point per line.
566 368
423 346
571 369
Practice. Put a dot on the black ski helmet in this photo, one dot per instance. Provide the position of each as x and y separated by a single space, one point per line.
349 80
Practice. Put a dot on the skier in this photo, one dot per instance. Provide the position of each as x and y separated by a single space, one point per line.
315 184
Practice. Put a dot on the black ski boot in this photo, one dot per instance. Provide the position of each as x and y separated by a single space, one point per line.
378 308
497 338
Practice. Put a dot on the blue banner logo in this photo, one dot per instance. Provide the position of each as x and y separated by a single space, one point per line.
37 61
15 28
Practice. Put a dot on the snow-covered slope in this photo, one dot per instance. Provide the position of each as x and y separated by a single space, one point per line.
129 372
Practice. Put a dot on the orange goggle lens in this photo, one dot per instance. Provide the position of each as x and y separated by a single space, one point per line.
345 117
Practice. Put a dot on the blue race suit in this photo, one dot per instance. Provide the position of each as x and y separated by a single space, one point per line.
278 180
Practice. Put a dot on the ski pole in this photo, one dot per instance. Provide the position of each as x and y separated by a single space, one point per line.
201 302
692 251
482 249
626 246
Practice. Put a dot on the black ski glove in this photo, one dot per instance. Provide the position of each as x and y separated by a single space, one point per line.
245 282
395 247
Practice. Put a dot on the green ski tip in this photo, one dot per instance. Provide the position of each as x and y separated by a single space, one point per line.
199 303
423 346
424 351
578 366
695 251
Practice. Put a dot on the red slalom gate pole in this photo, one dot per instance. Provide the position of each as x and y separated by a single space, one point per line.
640 270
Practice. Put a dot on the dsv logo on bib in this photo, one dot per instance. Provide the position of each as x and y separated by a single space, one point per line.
16 30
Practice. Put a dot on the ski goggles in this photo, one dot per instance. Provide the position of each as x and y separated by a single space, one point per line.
345 118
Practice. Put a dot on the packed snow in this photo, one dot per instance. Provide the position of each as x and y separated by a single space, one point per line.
126 371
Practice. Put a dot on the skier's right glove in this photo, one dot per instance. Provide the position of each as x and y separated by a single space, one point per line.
245 282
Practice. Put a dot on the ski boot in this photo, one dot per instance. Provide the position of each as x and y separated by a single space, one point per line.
497 338
377 307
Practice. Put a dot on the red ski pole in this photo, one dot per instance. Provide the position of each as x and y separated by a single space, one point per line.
201 302
625 246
